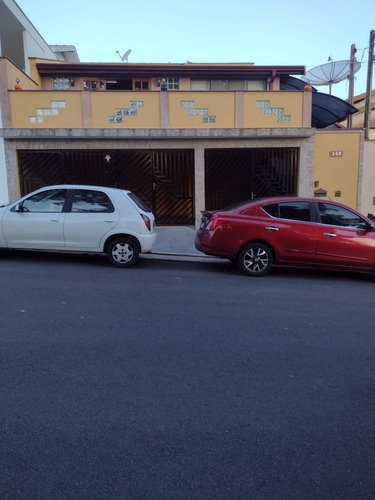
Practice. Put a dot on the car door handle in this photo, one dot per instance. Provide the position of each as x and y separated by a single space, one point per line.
272 228
330 235
54 220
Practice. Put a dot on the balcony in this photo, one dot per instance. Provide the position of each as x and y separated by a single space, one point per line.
158 110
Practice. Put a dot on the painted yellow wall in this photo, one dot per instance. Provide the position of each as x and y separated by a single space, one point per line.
337 173
13 72
34 72
182 109
25 105
104 104
273 109
218 104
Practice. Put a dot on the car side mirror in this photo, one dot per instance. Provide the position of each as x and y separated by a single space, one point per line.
369 227
20 208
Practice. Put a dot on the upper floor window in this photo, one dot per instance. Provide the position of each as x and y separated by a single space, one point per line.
170 83
173 83
231 85
200 85
93 84
256 85
61 83
141 84
219 85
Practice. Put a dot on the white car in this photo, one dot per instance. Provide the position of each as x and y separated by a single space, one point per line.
83 219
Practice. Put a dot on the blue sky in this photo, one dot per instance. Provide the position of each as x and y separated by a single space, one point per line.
263 32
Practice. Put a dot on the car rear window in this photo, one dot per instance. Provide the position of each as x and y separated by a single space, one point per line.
140 203
238 205
91 201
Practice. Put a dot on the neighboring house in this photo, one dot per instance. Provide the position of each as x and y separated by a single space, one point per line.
19 39
367 193
358 119
184 137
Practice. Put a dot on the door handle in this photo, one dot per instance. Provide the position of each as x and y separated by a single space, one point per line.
272 228
54 220
330 235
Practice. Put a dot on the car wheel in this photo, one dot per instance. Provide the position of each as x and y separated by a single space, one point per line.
255 259
123 252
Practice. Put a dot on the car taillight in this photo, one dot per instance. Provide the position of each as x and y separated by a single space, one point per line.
216 222
147 221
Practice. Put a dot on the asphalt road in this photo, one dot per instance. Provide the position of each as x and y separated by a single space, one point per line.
179 380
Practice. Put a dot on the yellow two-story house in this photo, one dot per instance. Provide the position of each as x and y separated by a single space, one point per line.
184 137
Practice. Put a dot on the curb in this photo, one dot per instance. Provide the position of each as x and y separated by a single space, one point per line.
184 257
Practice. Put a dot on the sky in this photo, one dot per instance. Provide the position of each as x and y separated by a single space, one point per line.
268 32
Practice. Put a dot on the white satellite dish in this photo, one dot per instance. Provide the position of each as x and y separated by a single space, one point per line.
125 56
330 73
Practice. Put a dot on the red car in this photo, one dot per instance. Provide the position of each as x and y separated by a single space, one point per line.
289 231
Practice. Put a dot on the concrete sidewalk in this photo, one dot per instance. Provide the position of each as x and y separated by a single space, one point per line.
175 240
176 243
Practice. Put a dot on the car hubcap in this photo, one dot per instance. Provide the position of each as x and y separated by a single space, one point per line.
122 252
256 259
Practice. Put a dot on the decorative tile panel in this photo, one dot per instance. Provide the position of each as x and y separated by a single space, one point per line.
40 113
269 111
130 111
193 111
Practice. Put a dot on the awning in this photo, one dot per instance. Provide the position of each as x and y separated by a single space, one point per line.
326 109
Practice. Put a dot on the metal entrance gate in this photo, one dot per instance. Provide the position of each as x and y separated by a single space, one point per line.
163 179
234 175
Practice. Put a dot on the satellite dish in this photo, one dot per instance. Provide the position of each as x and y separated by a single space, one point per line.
125 56
330 73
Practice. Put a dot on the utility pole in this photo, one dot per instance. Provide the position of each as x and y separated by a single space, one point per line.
353 50
369 84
